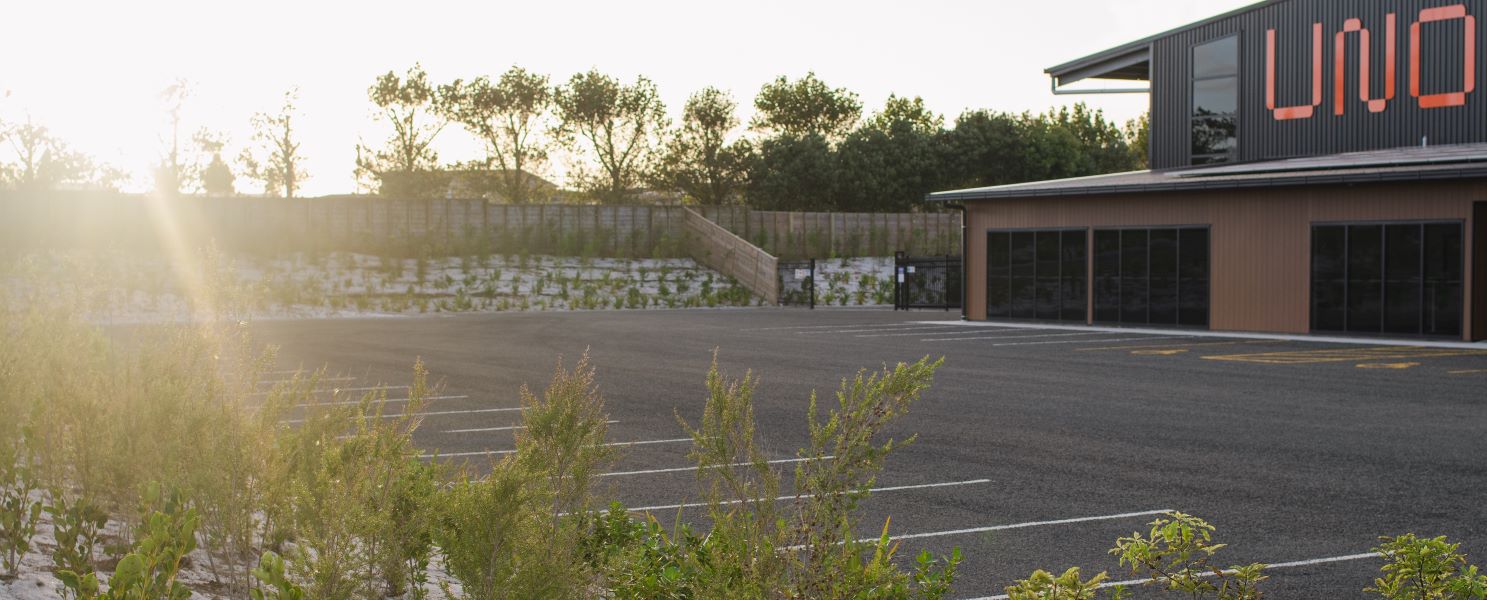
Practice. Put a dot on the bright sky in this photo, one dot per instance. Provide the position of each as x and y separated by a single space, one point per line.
92 70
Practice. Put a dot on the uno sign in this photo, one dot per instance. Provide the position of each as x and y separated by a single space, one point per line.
1353 27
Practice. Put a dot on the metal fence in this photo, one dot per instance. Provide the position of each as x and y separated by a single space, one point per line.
926 282
798 283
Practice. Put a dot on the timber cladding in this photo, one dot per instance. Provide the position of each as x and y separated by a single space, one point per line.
1260 257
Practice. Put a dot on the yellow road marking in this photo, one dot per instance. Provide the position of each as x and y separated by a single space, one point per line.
1330 355
1175 345
1469 372
1408 365
1159 352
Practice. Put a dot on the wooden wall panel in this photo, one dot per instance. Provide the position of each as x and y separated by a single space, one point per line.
1261 239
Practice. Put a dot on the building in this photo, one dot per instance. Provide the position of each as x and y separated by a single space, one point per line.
1317 167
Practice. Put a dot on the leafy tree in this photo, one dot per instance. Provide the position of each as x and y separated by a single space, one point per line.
1138 137
42 161
618 125
793 172
509 116
984 148
276 162
890 163
174 170
413 107
699 161
1104 146
806 106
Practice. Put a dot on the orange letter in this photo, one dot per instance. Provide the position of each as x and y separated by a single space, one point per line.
1431 15
1305 111
1375 105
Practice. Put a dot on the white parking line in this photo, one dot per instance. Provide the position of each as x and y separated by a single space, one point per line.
388 401
914 536
694 467
876 330
611 444
279 381
1175 337
979 333
424 414
872 491
843 326
1283 565
506 428
344 389
1011 337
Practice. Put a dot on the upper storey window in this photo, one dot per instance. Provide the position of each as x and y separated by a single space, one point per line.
1215 100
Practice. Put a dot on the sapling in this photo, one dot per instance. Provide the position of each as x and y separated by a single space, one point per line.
1177 554
1426 569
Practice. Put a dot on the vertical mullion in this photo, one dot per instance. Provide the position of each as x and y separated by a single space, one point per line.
1420 318
1347 278
1177 276
1148 276
1383 279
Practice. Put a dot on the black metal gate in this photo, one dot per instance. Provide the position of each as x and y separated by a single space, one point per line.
926 282
798 282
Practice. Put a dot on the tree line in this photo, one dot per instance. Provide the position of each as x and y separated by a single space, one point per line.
809 146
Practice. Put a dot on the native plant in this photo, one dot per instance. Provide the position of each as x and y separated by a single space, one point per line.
520 530
1177 554
1426 569
20 510
1042 585
149 571
272 575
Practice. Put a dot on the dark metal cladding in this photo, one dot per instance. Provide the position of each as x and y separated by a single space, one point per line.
1402 122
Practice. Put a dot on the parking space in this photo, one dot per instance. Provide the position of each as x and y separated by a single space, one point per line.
1037 446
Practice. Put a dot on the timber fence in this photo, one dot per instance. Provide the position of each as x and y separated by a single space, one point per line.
723 251
449 226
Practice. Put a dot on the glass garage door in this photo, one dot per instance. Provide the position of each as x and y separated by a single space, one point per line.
1151 276
1037 275
1397 278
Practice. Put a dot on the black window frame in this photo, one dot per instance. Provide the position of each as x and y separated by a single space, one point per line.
1230 119
1181 320
1349 327
1010 269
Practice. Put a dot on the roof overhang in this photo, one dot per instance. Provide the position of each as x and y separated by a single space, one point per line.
1435 163
1127 63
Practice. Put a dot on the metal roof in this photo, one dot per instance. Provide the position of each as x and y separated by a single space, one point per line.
1130 61
1466 161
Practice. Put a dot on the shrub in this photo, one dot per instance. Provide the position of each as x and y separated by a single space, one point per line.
1177 554
1426 569
519 531
149 571
19 509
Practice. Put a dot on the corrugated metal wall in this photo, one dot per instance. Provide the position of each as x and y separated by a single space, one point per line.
1261 137
1261 240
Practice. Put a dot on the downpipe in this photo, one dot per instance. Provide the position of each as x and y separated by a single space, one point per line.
965 259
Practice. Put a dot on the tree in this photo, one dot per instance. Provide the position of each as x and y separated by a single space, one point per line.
215 177
276 161
793 172
806 106
43 162
618 125
891 162
174 170
1138 137
413 107
698 160
510 116
1104 146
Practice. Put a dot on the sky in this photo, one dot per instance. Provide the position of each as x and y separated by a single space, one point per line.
92 72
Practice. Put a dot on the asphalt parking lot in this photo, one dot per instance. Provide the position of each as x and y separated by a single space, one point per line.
1037 446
